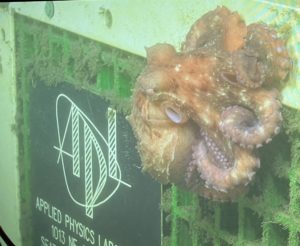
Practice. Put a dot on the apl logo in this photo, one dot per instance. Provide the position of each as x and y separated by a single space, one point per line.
91 171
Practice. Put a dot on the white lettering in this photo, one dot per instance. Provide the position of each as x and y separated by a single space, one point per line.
52 212
46 242
58 234
105 242
72 241
80 229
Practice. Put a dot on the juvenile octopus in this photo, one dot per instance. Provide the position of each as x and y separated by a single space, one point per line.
199 114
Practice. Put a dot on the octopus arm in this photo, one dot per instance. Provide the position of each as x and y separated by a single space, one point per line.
264 58
223 178
255 124
219 29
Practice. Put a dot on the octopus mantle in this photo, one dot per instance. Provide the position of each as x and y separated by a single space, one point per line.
199 114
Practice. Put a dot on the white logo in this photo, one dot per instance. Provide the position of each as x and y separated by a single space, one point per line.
80 151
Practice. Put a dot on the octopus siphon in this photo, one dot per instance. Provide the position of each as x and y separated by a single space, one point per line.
199 114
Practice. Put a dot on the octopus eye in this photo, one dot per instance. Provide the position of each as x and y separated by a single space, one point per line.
174 115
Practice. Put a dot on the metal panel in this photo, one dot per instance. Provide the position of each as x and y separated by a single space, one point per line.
81 180
9 173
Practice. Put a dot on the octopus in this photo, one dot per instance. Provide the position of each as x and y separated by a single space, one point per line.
199 114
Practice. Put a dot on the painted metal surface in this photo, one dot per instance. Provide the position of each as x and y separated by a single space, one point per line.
9 174
134 25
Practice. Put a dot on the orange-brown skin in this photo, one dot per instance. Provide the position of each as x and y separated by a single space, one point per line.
199 113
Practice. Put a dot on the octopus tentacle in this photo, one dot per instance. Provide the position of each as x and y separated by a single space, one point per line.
263 59
256 124
195 184
219 29
242 68
224 179
272 50
249 71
